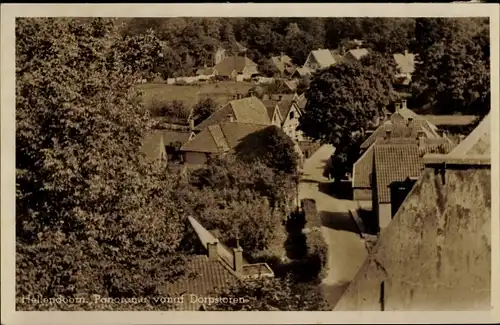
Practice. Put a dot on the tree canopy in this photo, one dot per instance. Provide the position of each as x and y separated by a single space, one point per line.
452 73
91 214
344 98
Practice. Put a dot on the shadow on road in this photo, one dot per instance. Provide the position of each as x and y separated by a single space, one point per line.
333 292
308 180
339 221
341 191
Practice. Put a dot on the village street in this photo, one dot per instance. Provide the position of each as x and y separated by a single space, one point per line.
347 251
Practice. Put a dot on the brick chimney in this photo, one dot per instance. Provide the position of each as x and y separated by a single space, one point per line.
191 124
398 106
403 103
213 254
238 259
421 139
388 134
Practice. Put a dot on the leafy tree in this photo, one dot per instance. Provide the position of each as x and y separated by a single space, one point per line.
267 68
91 215
272 147
203 109
271 294
453 71
343 99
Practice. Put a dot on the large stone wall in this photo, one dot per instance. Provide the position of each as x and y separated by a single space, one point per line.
435 253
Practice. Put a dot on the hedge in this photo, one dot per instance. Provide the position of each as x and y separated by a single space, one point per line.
317 252
310 211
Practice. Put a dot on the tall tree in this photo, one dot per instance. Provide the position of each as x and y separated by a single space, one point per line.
343 99
452 73
91 214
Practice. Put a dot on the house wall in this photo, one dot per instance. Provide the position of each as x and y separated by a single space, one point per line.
290 125
195 158
311 63
362 194
435 254
384 214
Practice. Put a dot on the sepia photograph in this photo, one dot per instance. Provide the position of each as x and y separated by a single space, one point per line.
241 163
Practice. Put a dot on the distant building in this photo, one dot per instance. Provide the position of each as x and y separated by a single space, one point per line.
246 110
206 73
435 255
236 68
234 48
355 55
320 59
215 139
402 125
396 163
219 267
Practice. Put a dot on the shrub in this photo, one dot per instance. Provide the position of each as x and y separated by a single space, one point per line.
317 253
310 212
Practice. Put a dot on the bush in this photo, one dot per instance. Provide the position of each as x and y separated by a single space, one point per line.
317 253
311 214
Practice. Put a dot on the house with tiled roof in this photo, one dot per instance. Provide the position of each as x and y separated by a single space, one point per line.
219 267
319 59
355 55
290 112
216 139
233 48
435 254
402 123
249 110
236 68
390 160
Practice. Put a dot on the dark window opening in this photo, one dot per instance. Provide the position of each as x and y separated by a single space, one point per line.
292 115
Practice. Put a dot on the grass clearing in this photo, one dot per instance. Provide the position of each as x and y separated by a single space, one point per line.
221 92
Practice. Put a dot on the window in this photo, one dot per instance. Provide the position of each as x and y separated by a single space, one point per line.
292 115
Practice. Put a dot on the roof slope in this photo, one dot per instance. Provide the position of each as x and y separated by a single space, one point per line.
233 63
358 53
324 58
207 275
395 162
400 129
362 170
477 144
221 137
246 110
450 119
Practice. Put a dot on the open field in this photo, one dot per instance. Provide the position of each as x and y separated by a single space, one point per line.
221 92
